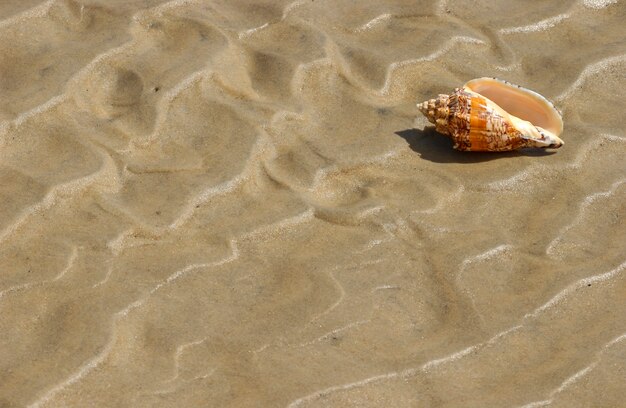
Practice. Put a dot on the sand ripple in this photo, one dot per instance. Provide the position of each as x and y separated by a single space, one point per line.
232 204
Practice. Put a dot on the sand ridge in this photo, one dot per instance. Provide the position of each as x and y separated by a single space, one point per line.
235 203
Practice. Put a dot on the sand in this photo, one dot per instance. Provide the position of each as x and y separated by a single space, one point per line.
235 203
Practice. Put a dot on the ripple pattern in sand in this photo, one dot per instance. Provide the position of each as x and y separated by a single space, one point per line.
231 204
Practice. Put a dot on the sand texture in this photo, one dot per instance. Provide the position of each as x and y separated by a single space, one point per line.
235 203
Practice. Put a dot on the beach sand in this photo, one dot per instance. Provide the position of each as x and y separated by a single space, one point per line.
236 203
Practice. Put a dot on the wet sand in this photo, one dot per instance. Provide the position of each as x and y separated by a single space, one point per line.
237 204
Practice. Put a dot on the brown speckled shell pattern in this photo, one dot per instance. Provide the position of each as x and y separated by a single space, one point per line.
472 123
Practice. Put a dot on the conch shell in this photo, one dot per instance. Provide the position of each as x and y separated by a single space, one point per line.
491 115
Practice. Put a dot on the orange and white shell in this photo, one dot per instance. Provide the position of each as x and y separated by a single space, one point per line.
491 115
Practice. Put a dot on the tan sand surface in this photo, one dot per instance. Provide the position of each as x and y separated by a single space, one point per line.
234 203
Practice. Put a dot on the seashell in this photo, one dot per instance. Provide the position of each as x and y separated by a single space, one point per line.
491 115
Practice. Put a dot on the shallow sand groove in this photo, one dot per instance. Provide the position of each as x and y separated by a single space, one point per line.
231 204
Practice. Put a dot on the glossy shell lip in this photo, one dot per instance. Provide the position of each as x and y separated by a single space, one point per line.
520 102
